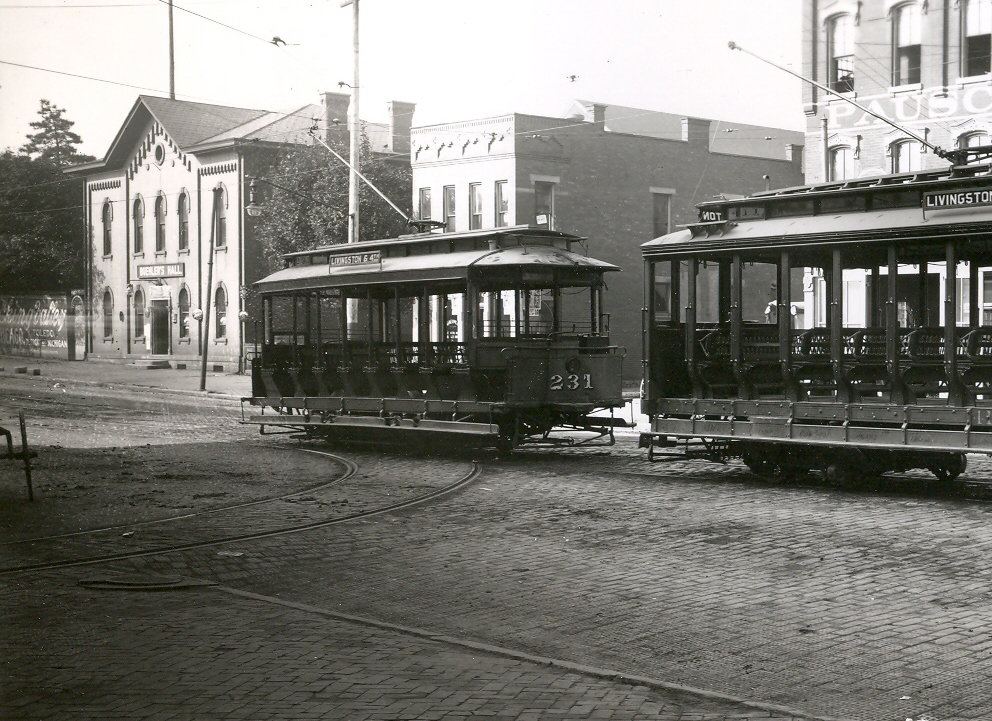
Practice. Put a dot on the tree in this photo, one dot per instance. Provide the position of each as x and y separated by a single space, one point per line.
54 140
41 210
311 207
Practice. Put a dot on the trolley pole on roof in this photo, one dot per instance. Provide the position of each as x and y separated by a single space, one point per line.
355 134
952 156
172 58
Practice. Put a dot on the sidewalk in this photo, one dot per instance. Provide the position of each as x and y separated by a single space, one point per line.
110 374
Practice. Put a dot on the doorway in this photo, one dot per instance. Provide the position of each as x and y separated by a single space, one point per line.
160 327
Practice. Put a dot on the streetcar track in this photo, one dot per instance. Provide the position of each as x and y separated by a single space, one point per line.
350 469
409 503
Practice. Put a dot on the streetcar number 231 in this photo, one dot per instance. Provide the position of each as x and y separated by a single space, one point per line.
571 382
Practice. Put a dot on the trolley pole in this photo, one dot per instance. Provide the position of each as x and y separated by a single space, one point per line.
356 133
172 58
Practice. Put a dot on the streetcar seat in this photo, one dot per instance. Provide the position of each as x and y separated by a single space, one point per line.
975 368
762 368
922 365
811 368
865 369
713 367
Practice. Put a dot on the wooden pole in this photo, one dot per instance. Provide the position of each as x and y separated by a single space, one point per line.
205 335
25 455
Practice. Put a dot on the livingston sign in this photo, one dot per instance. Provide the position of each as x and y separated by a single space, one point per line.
963 198
368 258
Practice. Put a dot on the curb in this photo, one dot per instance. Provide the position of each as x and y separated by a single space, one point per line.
139 387
593 671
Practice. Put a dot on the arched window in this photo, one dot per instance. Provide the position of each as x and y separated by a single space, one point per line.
108 218
139 314
972 140
906 156
976 42
906 40
220 305
160 224
183 221
840 53
138 215
841 166
184 312
220 216
108 314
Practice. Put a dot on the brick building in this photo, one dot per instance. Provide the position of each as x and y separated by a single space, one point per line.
922 63
172 183
619 176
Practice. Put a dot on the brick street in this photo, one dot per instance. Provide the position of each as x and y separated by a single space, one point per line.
864 604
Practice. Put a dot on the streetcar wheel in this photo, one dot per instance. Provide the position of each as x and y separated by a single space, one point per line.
951 469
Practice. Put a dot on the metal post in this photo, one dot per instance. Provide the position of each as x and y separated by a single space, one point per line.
25 454
172 58
950 325
355 136
837 324
737 322
826 149
205 328
690 324
975 319
785 320
892 330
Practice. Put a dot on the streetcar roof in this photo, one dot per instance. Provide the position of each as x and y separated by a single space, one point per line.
903 225
379 269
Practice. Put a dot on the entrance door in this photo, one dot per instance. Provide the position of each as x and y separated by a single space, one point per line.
160 327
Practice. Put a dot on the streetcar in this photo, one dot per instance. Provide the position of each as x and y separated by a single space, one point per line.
842 327
487 337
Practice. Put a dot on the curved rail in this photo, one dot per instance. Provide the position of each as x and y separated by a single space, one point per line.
427 497
350 469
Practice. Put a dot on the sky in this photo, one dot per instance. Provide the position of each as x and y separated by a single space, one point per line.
457 59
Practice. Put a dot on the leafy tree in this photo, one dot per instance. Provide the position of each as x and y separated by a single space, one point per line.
54 140
310 209
41 210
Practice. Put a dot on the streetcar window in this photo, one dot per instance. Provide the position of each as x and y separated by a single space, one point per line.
902 198
573 310
842 204
708 293
540 312
759 292
745 212
663 292
789 208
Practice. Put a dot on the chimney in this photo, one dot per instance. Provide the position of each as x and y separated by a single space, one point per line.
599 114
696 132
336 116
400 120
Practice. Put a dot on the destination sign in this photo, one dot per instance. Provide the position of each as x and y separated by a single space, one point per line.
965 198
355 259
164 270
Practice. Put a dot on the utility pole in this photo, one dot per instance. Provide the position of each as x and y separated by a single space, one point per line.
172 58
355 135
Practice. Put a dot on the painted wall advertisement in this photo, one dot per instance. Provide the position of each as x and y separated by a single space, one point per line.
37 326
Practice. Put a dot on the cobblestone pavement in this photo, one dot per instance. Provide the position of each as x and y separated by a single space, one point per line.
202 654
865 604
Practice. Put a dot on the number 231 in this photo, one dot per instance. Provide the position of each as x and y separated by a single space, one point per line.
571 382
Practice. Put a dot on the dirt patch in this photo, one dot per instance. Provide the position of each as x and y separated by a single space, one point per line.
77 489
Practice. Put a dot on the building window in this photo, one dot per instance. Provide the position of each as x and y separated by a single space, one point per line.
184 312
424 213
449 208
474 206
544 204
183 221
906 34
840 54
662 208
139 314
972 140
108 217
502 205
220 308
841 165
220 217
906 156
138 215
977 46
108 314
160 224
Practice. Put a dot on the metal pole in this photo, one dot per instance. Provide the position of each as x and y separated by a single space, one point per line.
205 334
172 58
825 143
356 138
25 454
